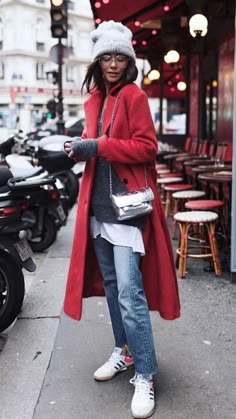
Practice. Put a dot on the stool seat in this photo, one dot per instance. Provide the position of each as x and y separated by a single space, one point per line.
188 194
170 174
204 204
212 204
169 180
161 166
163 171
196 216
178 187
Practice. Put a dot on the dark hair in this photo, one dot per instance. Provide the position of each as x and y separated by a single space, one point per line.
94 78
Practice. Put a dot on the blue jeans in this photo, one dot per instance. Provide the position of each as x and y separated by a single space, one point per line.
122 281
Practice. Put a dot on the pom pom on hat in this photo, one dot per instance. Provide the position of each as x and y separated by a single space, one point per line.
112 37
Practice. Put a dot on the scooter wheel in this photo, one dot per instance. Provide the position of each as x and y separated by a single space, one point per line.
71 186
47 238
12 290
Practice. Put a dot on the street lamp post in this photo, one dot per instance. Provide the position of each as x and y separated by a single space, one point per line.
59 28
60 109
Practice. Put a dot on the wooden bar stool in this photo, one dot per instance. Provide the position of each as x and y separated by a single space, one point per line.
207 249
211 205
162 181
179 200
169 190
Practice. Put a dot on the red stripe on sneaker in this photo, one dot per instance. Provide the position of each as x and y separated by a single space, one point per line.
128 359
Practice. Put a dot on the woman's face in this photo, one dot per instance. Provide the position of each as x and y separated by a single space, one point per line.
113 67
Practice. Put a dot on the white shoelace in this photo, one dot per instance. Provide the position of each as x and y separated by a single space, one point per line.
114 359
143 386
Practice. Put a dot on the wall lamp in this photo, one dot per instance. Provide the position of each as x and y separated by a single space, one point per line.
198 25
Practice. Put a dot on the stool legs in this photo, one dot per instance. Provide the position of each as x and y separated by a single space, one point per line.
167 203
178 205
214 248
182 251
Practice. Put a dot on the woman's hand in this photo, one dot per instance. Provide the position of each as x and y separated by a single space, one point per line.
82 149
68 149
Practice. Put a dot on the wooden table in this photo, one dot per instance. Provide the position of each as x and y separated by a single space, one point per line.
205 168
220 177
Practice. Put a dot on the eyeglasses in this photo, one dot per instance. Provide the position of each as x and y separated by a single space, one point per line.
119 59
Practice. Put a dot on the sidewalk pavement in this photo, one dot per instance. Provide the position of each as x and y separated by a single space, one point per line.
47 360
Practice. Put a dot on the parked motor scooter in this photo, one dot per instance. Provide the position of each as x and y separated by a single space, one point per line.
15 252
45 214
48 155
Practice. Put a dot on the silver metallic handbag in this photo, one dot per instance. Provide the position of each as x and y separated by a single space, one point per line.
130 204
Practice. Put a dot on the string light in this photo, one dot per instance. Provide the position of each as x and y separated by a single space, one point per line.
154 75
181 85
146 81
172 57
98 4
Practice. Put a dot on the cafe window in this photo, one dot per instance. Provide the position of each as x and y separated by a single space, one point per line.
211 90
169 89
174 111
173 116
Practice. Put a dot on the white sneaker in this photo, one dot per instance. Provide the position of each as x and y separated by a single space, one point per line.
143 404
114 364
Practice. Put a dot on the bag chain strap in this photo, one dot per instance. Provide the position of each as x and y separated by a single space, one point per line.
110 133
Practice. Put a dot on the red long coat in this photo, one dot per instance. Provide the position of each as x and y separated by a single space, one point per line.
133 143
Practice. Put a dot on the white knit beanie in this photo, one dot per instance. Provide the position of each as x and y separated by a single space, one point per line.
112 37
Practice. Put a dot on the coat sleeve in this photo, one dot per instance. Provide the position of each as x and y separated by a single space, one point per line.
140 144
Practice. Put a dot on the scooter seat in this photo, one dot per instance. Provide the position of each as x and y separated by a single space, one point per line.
21 172
54 142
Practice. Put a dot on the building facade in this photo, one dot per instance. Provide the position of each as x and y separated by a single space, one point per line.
26 56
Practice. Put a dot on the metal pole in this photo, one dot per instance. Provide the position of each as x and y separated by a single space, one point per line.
60 109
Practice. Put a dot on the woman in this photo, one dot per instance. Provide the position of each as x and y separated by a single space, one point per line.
130 260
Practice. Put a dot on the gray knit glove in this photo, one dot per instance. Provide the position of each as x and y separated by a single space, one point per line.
84 149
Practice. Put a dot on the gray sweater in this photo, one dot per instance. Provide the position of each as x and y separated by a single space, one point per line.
101 205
